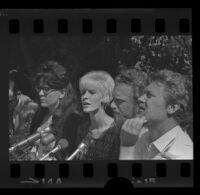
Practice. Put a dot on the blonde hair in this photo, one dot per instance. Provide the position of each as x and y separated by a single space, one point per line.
103 80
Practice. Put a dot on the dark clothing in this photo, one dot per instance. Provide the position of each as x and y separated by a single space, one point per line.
37 119
104 148
70 134
63 127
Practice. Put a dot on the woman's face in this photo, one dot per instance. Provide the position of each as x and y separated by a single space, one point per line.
49 97
91 97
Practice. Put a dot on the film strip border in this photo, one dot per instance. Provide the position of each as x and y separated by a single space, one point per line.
97 174
104 22
87 22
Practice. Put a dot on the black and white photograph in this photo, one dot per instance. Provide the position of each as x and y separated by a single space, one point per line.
96 97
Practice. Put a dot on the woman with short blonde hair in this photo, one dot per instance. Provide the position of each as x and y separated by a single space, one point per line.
103 82
100 133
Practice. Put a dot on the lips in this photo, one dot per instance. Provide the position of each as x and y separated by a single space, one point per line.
85 104
141 108
42 100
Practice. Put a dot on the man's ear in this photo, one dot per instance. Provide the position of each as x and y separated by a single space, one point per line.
171 109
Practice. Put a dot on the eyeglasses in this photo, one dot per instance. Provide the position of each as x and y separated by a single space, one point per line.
46 90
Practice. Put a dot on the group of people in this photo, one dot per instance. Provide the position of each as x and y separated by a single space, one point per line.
134 116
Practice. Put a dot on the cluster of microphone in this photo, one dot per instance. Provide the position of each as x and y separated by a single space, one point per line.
30 140
62 144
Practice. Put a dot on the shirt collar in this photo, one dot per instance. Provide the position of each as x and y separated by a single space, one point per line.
165 141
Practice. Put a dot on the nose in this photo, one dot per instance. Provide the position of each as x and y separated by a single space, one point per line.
142 99
85 95
113 105
41 93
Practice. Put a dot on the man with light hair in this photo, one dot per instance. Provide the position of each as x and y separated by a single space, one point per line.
163 102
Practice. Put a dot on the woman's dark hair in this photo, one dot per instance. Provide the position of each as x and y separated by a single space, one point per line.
52 74
56 76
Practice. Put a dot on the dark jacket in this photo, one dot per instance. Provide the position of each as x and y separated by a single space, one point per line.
63 126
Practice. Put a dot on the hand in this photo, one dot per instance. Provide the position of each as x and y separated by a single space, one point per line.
134 126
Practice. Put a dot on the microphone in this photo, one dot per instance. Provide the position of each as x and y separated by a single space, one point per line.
62 144
28 140
80 147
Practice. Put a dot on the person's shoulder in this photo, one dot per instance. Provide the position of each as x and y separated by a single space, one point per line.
183 145
183 138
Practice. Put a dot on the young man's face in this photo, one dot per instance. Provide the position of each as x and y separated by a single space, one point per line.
153 102
123 101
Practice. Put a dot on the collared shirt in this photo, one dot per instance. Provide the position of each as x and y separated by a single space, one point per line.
175 144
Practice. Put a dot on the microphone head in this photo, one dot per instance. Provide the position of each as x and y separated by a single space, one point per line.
63 143
81 145
47 139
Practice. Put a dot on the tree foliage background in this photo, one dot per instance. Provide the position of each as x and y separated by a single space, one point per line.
110 53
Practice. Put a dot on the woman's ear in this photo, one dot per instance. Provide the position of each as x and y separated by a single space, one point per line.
63 93
171 109
105 99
